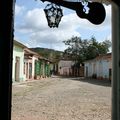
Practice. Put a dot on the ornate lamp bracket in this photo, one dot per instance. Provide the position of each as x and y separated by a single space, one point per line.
93 11
53 14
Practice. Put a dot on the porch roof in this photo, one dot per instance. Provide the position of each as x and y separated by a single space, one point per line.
31 53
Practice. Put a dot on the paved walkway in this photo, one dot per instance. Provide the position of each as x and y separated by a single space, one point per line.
60 98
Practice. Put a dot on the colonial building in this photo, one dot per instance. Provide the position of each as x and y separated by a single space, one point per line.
35 66
18 62
28 65
69 68
99 68
42 68
65 67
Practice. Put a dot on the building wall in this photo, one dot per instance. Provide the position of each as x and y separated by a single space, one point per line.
42 69
33 66
51 66
105 69
98 68
88 69
64 67
18 52
30 72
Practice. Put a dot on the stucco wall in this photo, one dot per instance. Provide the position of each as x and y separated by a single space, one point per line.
18 52
64 67
33 66
98 67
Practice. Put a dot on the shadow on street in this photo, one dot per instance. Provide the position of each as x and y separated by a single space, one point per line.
106 83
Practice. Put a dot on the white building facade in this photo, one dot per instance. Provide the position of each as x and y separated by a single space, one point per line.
18 62
64 67
99 68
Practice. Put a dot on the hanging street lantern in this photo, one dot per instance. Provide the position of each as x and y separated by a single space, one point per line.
53 14
92 11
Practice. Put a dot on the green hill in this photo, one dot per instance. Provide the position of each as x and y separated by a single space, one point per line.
51 54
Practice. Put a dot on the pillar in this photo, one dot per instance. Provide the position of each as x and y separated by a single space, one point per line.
6 53
116 62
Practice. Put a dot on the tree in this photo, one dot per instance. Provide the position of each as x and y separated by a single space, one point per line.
80 50
75 49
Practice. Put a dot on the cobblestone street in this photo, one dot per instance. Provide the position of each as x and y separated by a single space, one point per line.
60 98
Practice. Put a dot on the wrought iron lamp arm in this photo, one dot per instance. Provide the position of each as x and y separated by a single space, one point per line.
96 14
71 5
59 1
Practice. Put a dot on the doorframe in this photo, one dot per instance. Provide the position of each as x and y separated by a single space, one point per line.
17 69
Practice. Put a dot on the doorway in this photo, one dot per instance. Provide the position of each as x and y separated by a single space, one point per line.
17 69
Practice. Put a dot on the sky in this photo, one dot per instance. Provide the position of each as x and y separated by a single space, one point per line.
32 30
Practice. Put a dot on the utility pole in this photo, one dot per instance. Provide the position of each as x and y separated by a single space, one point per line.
6 50
116 61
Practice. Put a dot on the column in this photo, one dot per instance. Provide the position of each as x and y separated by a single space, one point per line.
116 62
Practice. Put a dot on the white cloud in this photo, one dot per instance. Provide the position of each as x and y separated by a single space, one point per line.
109 37
19 9
35 24
39 34
108 19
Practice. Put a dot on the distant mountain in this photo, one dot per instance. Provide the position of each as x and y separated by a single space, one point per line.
51 54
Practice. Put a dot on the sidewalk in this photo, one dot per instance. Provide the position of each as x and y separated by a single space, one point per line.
27 81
